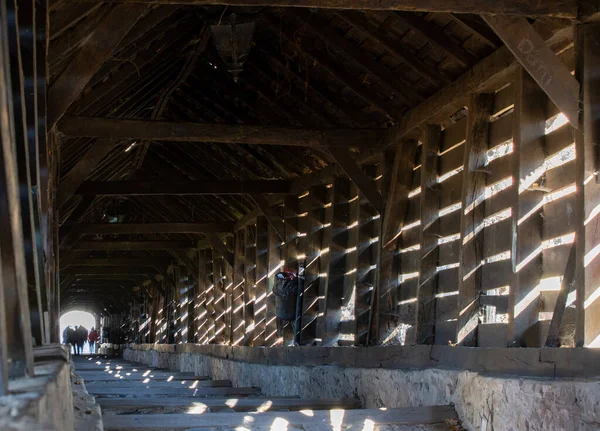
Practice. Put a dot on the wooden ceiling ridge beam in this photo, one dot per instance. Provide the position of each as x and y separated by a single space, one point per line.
182 188
556 8
115 128
151 228
101 43
134 245
156 262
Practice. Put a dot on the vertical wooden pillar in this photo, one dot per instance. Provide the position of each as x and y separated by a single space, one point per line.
202 297
238 323
228 281
340 300
219 297
427 284
323 213
290 215
210 297
369 233
250 284
260 302
309 247
588 185
472 214
274 258
528 141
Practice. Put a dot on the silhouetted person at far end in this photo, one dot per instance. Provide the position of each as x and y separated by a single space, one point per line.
72 338
82 335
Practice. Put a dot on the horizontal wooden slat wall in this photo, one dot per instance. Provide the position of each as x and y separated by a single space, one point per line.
490 214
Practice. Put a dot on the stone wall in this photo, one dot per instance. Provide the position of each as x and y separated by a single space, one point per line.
483 401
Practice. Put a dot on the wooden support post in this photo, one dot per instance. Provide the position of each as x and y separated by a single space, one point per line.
219 298
228 282
367 280
541 63
313 227
178 312
202 296
238 322
528 144
261 274
472 217
588 155
210 297
249 284
340 300
323 213
290 252
427 287
275 265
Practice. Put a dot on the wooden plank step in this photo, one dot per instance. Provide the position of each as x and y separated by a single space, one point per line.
238 404
90 376
179 384
143 391
320 419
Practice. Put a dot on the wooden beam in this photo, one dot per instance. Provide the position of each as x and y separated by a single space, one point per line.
109 270
82 169
181 188
95 51
397 197
557 8
134 245
527 229
364 183
587 328
265 208
114 128
221 248
472 216
430 205
142 228
119 261
541 63
489 74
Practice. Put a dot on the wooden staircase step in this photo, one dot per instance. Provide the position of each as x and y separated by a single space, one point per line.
238 404
318 419
179 384
91 376
147 391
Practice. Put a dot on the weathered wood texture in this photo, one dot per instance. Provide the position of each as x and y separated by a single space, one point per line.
472 217
143 188
559 8
114 128
529 137
541 63
588 263
427 287
96 50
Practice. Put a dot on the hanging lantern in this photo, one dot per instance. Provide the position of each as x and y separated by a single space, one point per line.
233 42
